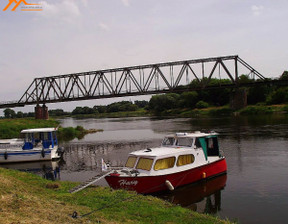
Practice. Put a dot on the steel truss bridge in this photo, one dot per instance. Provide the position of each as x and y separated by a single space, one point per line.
135 80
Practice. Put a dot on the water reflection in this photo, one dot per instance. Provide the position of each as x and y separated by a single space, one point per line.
204 197
49 170
256 150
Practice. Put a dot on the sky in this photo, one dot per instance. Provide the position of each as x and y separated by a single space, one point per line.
70 36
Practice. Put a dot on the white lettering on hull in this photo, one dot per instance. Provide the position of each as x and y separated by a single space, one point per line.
128 183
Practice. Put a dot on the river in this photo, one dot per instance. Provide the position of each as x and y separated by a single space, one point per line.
255 189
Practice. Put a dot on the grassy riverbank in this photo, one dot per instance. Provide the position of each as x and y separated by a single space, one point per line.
27 198
226 110
137 113
186 112
10 128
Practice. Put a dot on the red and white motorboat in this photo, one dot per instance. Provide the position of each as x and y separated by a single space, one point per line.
182 158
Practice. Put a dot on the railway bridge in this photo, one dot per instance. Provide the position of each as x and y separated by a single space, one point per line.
139 80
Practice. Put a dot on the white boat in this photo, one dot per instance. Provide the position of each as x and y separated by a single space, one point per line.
183 158
38 144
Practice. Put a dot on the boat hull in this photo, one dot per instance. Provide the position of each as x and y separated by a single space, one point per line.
28 155
151 184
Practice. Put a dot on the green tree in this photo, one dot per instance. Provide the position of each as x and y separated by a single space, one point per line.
9 113
201 104
257 94
189 99
19 114
141 103
278 96
244 79
284 76
159 103
78 110
100 109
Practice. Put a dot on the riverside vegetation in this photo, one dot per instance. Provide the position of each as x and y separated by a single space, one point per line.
260 99
27 198
11 128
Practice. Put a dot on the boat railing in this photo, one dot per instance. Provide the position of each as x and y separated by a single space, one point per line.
221 153
9 146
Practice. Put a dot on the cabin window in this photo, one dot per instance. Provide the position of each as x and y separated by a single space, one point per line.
197 143
166 163
168 141
185 159
184 142
212 146
131 161
144 164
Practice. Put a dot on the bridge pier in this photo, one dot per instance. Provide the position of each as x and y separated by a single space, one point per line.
238 99
41 112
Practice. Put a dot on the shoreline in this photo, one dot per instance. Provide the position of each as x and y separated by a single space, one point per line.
187 113
29 198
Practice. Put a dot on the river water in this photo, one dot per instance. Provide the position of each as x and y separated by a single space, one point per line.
255 189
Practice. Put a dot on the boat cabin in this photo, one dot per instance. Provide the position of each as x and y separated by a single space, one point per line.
39 138
177 151
207 141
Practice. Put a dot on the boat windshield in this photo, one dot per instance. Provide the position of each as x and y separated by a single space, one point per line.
131 161
144 164
187 142
40 139
168 141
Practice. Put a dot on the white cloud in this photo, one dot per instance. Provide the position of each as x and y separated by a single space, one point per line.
85 3
64 10
104 26
257 10
126 2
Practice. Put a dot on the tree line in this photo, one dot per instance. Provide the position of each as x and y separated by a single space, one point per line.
264 95
113 107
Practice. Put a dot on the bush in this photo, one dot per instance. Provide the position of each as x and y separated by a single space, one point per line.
159 103
253 110
278 96
201 104
189 99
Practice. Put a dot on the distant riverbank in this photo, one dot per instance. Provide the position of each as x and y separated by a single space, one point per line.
29 198
11 128
186 112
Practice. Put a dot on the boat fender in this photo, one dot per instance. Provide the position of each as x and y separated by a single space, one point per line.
59 151
75 215
203 175
43 153
169 185
5 155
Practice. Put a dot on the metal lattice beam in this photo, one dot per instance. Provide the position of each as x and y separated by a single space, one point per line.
135 80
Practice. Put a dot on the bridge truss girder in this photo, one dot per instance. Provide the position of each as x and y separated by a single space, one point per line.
129 81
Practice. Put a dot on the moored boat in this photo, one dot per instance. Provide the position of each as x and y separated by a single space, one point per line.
183 158
38 144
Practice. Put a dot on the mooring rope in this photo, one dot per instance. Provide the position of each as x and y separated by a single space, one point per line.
75 214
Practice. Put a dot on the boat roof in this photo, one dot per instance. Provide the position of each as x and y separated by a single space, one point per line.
161 151
37 130
195 134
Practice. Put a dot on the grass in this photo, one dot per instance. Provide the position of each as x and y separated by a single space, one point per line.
27 198
10 128
260 109
137 113
225 110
